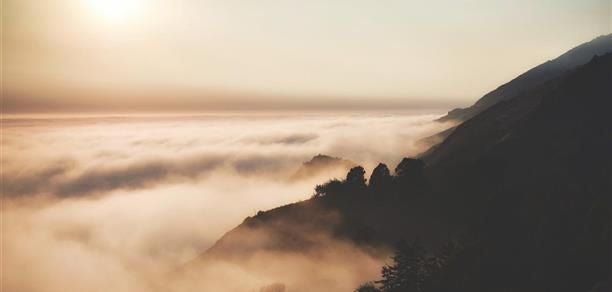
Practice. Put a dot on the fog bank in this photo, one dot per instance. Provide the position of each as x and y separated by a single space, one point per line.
117 203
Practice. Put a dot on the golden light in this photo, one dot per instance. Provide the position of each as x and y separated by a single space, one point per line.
116 10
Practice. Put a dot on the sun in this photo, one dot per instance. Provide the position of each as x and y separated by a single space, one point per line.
116 10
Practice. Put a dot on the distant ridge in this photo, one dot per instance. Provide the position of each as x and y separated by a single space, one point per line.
549 70
321 163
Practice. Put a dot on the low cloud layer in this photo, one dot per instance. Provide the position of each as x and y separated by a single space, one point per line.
115 203
68 157
95 246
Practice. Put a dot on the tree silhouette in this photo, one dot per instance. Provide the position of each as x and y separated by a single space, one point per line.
367 287
380 180
332 187
417 269
405 274
410 175
356 177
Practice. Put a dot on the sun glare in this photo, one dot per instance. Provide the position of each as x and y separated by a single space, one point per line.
116 10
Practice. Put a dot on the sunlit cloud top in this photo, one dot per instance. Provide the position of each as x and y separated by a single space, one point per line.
206 54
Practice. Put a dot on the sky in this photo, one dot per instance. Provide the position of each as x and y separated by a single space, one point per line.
161 55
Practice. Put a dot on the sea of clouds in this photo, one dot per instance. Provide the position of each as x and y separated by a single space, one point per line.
114 203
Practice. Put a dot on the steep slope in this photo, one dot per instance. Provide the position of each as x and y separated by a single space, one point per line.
535 77
531 176
527 180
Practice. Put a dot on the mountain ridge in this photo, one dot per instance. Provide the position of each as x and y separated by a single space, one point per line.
548 70
527 179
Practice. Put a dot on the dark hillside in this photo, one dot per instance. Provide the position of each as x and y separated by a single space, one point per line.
524 186
532 177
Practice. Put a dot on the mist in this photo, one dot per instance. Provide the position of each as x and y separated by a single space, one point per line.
127 203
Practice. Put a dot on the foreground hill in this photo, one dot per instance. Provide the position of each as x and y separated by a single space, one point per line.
524 185
531 175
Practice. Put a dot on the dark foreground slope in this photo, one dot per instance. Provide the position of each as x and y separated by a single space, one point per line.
535 77
525 183
531 176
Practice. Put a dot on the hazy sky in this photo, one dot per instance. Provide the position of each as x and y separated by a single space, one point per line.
188 54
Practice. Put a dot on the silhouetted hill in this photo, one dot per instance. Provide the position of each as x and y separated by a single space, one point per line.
370 216
524 185
535 77
531 177
321 163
